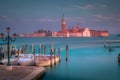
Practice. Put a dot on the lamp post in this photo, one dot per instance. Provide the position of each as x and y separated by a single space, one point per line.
8 39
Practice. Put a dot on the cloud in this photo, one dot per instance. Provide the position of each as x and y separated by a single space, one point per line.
75 19
90 6
103 6
70 19
47 19
99 17
6 19
85 7
118 20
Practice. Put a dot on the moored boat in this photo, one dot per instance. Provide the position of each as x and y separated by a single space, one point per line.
12 60
47 60
26 60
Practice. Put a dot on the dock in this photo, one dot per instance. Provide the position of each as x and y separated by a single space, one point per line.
21 73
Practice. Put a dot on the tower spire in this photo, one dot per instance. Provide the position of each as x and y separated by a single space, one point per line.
63 19
63 24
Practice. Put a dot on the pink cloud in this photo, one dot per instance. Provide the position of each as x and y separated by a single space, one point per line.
45 19
81 19
95 20
75 19
98 17
118 20
6 19
70 19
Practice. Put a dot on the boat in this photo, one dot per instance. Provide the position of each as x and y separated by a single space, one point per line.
30 60
25 60
47 60
12 60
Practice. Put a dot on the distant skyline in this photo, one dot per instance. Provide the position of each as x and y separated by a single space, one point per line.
27 16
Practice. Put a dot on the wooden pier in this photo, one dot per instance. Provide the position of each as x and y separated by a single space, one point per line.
21 73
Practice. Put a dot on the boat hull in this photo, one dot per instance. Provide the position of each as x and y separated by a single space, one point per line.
48 62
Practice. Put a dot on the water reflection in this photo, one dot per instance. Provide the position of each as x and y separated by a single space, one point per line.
67 69
119 64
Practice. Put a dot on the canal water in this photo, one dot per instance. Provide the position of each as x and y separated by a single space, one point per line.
87 58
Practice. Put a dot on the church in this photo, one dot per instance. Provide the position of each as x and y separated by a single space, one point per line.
78 31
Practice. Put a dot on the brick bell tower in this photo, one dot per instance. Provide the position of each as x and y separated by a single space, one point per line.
63 24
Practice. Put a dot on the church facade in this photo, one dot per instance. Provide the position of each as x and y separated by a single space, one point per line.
78 31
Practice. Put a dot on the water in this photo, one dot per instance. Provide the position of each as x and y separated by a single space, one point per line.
86 64
88 59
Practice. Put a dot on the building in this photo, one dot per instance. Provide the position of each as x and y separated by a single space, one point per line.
38 33
32 35
78 31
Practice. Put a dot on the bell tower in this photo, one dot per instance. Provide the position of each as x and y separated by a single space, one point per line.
63 24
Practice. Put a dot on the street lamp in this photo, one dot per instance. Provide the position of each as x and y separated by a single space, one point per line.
8 39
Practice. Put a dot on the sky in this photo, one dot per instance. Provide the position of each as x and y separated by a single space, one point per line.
27 16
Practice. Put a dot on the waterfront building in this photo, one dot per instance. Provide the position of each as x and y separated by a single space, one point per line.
38 33
78 31
32 35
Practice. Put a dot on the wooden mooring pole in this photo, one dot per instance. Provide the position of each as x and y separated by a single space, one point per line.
110 47
104 43
51 58
39 53
31 49
44 49
54 56
66 53
59 54
18 52
34 55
